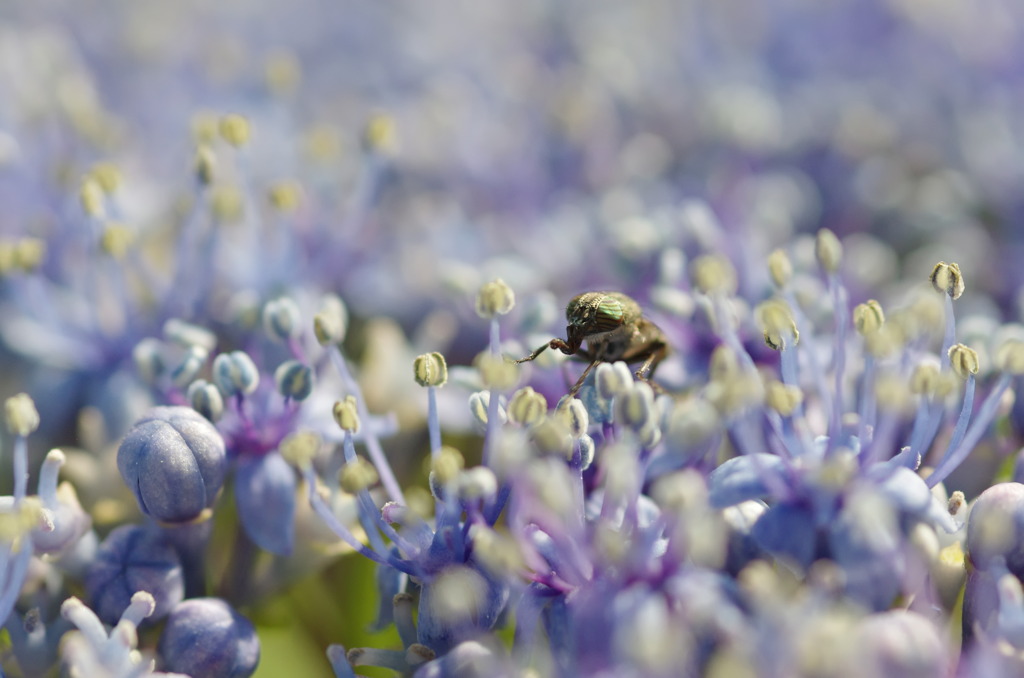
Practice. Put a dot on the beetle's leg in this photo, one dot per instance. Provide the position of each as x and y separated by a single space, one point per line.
533 355
579 382
563 347
646 371
554 343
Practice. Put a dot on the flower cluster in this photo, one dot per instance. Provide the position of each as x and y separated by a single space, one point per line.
280 312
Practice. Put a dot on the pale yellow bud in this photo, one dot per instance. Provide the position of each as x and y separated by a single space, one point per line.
116 240
447 465
380 134
946 278
346 414
964 360
496 373
780 268
90 194
1009 357
300 448
868 317
527 406
783 398
430 369
776 321
21 414
828 250
495 298
107 176
712 273
234 129
28 253
285 196
358 475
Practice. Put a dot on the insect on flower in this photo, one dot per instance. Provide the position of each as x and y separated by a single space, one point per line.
614 328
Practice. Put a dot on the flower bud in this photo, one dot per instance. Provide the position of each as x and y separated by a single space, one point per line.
551 436
780 268
300 448
235 373
1009 357
21 415
346 414
358 475
478 482
29 253
946 278
527 407
574 414
495 298
90 195
635 407
995 529
612 379
294 380
777 323
828 250
330 323
284 196
496 373
205 637
868 317
783 398
188 335
430 369
190 366
379 135
148 358
234 129
206 399
964 360
116 239
204 165
134 558
479 403
281 319
713 273
447 465
174 461
587 451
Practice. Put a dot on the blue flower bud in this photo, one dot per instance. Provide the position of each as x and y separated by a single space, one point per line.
187 335
149 359
205 398
294 380
235 373
133 559
996 528
190 366
173 460
206 638
281 319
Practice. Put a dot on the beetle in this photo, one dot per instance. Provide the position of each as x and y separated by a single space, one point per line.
614 328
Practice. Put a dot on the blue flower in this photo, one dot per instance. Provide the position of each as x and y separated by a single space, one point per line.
206 638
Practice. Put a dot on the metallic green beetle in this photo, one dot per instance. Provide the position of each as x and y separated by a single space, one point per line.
614 328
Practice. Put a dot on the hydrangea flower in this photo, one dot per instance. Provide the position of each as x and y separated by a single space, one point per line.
805 485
